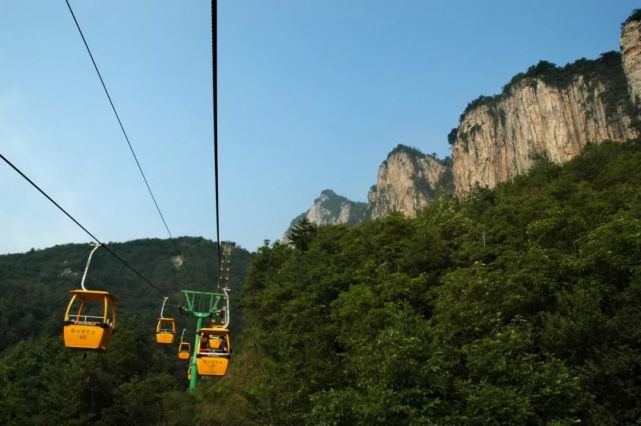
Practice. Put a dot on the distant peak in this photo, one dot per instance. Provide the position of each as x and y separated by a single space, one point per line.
329 197
636 16
417 153
400 148
328 192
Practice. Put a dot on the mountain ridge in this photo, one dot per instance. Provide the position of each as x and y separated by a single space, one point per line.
546 111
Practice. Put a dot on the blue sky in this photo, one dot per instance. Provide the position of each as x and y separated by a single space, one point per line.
312 95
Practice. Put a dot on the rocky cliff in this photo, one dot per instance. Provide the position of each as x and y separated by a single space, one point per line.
631 51
332 209
548 112
407 182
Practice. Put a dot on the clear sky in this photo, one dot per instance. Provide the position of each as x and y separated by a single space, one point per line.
313 94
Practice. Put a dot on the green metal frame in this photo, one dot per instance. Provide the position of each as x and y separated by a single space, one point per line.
212 299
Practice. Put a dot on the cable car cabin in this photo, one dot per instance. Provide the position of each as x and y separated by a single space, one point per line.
184 348
90 320
214 351
165 331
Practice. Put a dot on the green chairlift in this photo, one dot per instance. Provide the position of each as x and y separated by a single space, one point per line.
214 305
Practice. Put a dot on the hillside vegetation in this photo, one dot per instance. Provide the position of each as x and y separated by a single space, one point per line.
518 305
136 381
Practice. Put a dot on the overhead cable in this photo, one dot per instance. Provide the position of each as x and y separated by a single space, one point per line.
81 226
124 132
214 58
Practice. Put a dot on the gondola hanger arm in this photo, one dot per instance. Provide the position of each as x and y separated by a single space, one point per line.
162 310
84 275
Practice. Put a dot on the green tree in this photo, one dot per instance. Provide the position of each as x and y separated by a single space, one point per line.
303 233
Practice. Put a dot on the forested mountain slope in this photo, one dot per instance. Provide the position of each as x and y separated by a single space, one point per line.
136 381
519 305
34 286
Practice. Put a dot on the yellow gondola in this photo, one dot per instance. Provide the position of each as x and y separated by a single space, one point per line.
214 351
165 331
166 327
184 349
90 318
92 324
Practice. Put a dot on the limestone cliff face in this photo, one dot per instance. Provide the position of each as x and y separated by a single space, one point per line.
631 52
331 209
407 182
552 116
547 112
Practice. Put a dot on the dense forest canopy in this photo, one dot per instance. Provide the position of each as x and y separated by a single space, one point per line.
517 305
136 381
